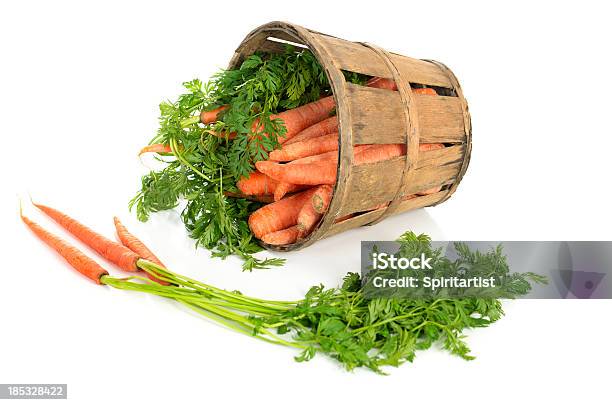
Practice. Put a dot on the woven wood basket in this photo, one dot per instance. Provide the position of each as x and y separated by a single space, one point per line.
374 116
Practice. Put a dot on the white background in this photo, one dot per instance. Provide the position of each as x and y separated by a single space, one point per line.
79 85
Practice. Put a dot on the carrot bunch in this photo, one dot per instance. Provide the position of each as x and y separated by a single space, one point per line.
306 165
297 179
128 254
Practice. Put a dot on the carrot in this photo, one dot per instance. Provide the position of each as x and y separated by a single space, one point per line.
389 84
278 215
331 156
314 209
307 219
324 172
430 146
300 118
310 173
310 147
377 153
256 184
282 237
77 259
321 198
135 245
208 117
284 188
382 83
426 91
112 251
328 156
324 127
155 148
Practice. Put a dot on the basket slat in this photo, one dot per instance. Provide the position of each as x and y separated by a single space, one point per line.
368 217
375 183
375 115
432 176
439 157
355 57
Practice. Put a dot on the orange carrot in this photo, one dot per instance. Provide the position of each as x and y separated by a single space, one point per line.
377 153
310 174
112 251
313 210
430 146
307 219
331 156
282 237
389 84
135 245
256 184
310 147
208 117
321 198
77 259
324 172
426 91
324 127
155 148
382 83
284 188
300 118
278 215
328 156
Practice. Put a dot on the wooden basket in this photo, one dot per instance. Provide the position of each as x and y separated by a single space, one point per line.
374 116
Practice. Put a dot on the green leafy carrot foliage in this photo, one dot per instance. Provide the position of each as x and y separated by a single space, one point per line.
341 322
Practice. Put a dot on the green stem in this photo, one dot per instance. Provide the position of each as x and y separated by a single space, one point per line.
175 150
153 268
395 318
190 121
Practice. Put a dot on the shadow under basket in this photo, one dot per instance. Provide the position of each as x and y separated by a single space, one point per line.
376 116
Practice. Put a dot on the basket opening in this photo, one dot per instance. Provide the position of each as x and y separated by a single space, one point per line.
385 83
442 91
